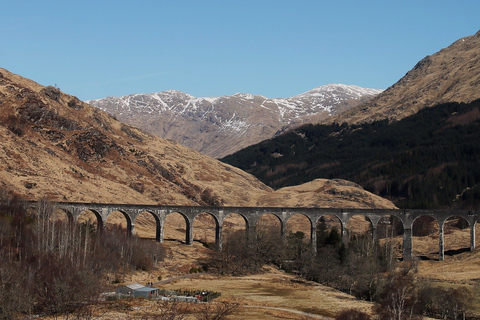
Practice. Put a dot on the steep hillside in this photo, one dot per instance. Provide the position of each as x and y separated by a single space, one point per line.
429 159
55 146
222 125
450 75
403 144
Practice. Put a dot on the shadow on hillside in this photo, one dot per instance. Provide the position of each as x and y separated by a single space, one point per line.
425 258
175 240
455 252
449 253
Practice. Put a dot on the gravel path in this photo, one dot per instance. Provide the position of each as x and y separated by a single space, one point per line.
190 275
311 315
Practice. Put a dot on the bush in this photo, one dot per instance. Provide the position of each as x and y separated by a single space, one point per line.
352 314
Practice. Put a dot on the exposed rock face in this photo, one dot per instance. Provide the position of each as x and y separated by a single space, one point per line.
450 75
220 126
57 147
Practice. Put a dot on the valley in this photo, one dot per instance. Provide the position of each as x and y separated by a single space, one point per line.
276 289
59 148
56 148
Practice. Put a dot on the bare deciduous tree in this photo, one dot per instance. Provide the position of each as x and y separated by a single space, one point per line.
55 267
14 297
216 311
352 314
398 299
167 310
445 303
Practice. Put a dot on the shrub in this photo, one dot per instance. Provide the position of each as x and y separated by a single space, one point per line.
352 314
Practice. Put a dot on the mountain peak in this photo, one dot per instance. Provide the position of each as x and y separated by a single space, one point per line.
174 92
246 96
218 126
351 90
449 75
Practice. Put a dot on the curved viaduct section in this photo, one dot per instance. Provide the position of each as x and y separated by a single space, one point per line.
251 215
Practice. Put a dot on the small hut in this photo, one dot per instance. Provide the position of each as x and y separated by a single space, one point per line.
137 290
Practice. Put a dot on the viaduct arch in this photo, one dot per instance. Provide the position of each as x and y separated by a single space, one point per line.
251 215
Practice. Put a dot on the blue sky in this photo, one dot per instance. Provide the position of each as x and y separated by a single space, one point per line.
94 49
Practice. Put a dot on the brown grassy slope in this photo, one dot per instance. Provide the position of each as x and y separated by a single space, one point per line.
334 193
55 146
271 288
450 75
277 289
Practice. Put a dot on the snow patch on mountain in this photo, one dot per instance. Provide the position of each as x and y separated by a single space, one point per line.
240 116
340 89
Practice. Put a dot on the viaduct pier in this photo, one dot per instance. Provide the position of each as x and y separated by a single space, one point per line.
251 216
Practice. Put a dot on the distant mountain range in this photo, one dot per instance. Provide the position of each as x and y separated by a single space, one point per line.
218 126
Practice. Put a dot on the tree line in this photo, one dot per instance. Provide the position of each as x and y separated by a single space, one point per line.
53 267
427 160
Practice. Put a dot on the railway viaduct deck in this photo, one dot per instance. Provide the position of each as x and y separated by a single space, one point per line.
251 215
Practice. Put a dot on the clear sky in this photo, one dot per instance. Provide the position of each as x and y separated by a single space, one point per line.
276 48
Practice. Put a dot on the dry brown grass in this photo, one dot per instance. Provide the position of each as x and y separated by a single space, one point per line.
276 289
427 84
461 267
272 288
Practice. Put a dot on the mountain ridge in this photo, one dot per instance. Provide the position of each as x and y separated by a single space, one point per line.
450 75
218 126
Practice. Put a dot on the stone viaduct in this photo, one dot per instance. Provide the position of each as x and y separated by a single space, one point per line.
251 215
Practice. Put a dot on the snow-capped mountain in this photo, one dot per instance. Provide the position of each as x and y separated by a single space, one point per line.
218 126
